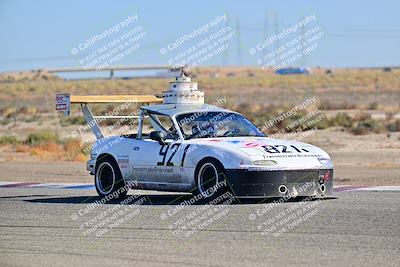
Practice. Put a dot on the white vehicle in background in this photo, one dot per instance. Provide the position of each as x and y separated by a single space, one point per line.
184 145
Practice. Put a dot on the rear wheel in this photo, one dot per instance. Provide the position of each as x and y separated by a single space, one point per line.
211 179
108 179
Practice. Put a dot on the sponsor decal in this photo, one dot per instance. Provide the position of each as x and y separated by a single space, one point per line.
159 169
253 144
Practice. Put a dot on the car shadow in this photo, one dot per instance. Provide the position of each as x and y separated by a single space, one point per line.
160 199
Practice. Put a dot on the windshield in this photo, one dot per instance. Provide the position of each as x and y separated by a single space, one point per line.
216 124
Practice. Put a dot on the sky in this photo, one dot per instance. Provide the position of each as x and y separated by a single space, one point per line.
41 34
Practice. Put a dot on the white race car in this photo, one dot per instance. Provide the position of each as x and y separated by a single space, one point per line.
184 145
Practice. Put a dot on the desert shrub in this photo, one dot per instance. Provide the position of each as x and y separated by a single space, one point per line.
72 120
28 110
45 149
22 148
292 123
107 122
394 126
262 119
74 145
75 150
5 121
9 140
308 121
243 108
41 137
323 123
362 117
367 126
8 112
342 119
378 126
359 129
31 118
328 105
50 148
300 120
373 105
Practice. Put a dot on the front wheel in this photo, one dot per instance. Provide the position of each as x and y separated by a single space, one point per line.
211 179
108 180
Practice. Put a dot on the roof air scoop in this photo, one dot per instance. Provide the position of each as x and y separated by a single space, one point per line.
183 91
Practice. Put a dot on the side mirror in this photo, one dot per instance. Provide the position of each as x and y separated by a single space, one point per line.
158 136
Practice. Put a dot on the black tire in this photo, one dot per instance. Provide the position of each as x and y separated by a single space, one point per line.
108 179
210 177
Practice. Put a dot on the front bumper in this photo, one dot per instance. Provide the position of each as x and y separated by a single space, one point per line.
246 183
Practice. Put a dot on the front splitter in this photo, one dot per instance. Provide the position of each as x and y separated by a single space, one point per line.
280 183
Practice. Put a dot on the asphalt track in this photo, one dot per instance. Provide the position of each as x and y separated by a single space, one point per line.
56 227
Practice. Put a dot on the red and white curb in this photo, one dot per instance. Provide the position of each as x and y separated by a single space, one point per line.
81 186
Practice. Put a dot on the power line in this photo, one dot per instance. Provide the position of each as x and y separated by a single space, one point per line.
282 25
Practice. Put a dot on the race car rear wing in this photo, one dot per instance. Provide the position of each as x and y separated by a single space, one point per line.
64 101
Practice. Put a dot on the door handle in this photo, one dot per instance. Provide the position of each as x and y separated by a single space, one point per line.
136 148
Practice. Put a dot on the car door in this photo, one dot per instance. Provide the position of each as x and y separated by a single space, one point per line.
156 163
153 162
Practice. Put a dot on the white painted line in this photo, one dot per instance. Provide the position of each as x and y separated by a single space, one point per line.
6 183
377 189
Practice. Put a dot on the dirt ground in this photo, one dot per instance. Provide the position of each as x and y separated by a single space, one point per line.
372 159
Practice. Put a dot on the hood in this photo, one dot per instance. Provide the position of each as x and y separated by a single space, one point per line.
287 153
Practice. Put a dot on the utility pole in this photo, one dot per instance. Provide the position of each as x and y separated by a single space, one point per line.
266 25
266 49
303 56
276 34
377 89
239 46
225 55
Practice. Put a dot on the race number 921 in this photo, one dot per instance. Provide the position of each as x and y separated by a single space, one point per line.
283 149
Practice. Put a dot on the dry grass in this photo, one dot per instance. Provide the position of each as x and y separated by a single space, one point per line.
69 150
53 152
343 89
27 101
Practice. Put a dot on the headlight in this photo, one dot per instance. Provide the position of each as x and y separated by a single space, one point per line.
325 161
265 162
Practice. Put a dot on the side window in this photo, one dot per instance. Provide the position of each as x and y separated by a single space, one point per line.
147 127
165 124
